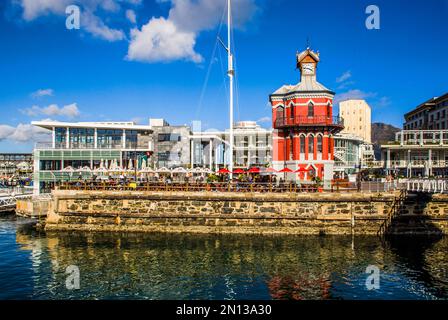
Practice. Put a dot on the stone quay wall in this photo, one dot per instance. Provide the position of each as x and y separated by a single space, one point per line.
214 212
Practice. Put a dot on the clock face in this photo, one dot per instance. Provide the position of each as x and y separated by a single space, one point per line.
308 68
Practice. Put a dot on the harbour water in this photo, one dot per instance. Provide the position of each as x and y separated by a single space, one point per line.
173 266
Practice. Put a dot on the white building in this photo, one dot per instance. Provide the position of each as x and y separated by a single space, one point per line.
252 146
357 118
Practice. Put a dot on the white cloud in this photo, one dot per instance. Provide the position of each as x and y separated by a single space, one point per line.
5 131
201 15
160 40
353 94
382 102
94 25
90 21
131 16
35 8
174 38
69 111
23 133
345 76
42 93
264 120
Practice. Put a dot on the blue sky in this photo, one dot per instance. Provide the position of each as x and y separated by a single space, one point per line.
136 59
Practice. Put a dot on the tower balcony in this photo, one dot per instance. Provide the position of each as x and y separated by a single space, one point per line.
306 122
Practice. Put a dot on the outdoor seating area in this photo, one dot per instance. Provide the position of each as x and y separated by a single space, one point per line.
240 187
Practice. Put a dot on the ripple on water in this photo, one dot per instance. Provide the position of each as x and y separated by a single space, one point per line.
162 266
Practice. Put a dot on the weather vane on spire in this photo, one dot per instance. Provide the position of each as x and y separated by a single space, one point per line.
308 42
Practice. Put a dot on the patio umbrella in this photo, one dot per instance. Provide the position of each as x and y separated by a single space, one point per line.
130 165
301 170
199 170
101 170
179 170
254 170
238 171
148 170
286 170
224 171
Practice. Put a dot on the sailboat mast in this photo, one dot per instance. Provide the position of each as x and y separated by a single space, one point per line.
231 75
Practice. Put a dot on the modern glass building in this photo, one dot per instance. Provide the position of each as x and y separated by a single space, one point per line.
351 154
83 148
252 147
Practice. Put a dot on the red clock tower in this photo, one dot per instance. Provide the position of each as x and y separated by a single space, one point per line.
304 124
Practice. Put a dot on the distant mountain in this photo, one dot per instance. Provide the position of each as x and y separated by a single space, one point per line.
381 133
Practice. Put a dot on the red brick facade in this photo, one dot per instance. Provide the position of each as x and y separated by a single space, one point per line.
304 125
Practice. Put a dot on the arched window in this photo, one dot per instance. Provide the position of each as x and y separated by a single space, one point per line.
280 115
291 106
310 144
310 109
302 144
319 143
328 110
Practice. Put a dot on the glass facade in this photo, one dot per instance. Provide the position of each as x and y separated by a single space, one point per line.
110 139
61 138
172 137
82 138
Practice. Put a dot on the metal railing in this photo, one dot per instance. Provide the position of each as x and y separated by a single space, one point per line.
239 187
309 121
393 212
417 163
427 185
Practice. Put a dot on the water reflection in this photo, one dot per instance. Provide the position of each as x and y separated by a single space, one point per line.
162 266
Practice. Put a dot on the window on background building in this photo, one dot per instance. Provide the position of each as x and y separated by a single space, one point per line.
110 139
310 109
61 137
302 144
310 144
319 143
169 137
82 138
131 139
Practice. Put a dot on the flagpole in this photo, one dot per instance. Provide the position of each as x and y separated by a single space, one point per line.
231 75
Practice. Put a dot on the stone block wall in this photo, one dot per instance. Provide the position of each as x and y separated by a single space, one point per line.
214 212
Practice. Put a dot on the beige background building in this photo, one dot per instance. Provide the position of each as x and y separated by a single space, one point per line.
357 118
